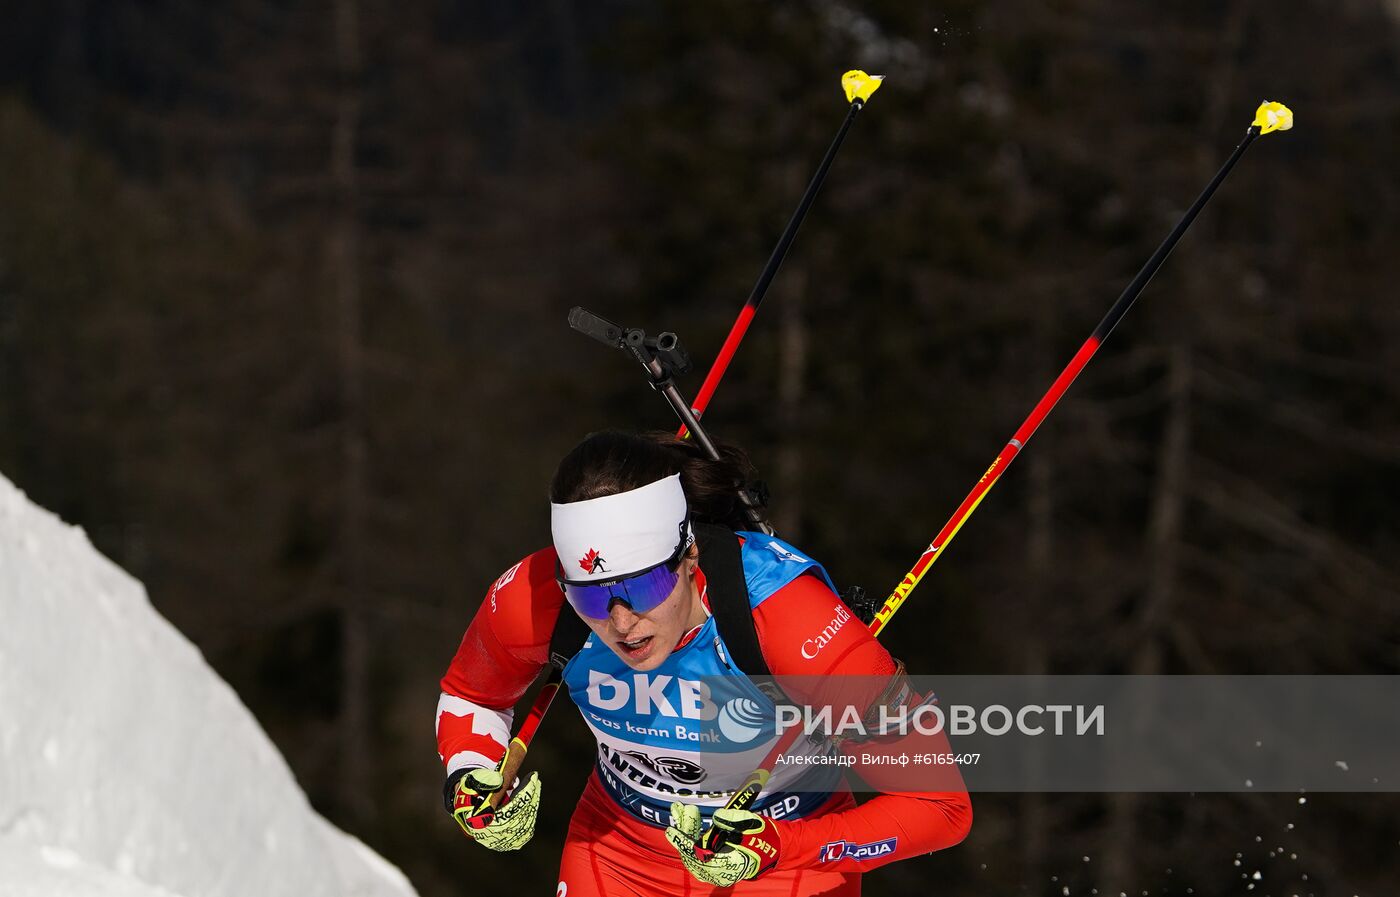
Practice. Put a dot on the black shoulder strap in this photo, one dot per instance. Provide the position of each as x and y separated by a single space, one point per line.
729 597
729 604
570 632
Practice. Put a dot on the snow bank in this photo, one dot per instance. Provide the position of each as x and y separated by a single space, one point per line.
128 768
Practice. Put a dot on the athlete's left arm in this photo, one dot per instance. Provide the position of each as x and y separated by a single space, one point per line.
805 631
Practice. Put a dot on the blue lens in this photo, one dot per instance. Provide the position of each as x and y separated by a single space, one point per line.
641 592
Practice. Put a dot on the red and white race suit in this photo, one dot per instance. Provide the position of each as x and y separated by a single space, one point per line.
804 631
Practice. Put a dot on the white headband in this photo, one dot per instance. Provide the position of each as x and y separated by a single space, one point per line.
610 537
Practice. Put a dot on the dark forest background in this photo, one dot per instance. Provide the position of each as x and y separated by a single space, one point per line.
282 324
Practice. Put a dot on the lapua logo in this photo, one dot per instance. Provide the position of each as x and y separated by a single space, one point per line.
663 695
846 850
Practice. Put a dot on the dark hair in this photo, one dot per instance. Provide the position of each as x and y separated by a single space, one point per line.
613 461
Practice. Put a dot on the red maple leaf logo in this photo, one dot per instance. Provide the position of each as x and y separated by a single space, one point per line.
591 562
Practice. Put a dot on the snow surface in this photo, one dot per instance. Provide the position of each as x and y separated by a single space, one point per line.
128 768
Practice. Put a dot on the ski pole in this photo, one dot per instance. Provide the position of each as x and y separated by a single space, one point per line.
520 745
1269 117
858 86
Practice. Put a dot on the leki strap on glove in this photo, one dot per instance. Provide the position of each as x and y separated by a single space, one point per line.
508 827
746 844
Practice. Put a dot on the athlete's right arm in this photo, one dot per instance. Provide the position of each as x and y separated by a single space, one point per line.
503 650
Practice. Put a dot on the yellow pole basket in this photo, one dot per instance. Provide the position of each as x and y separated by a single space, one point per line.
1272 117
859 85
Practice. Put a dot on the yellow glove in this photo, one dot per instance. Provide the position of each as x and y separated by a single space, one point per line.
508 827
747 845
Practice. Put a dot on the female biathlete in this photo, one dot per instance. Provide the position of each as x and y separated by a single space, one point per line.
678 725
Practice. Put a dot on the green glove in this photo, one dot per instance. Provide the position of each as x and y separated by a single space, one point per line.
747 845
508 827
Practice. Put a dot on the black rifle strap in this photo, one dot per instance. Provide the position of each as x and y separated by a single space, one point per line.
570 632
729 597
729 605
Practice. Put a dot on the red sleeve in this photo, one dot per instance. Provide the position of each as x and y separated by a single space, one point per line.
805 630
503 650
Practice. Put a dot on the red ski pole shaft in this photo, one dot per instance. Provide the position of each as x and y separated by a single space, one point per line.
1052 396
520 745
859 86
